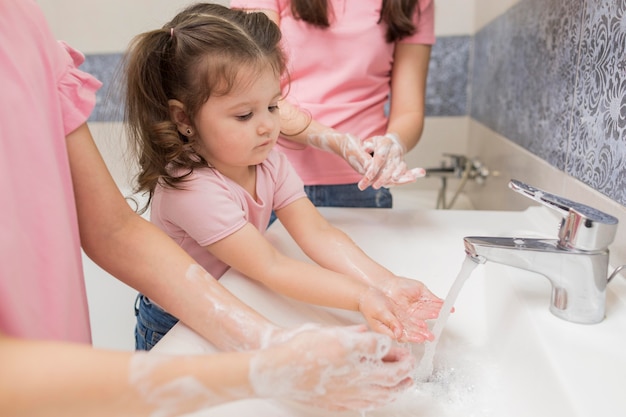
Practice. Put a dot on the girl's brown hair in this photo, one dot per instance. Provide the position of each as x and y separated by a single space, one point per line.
197 54
397 15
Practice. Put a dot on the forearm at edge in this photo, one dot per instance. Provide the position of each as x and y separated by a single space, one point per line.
58 379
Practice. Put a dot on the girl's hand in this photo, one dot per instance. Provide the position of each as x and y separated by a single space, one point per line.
388 166
394 318
337 368
414 302
412 295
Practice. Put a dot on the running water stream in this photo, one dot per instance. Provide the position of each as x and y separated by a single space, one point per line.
425 368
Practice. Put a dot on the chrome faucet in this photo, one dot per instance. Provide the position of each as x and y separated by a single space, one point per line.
576 263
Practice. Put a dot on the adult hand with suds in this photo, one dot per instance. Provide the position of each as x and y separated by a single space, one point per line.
358 370
387 167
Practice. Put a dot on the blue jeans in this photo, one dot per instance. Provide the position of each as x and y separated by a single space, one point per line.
346 195
152 323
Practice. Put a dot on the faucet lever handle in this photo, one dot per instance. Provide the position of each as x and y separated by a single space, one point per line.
583 227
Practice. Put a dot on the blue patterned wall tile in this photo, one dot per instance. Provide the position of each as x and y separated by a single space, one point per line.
524 72
550 75
109 99
448 76
446 92
598 151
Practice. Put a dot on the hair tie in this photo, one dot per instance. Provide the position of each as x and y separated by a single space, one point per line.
171 32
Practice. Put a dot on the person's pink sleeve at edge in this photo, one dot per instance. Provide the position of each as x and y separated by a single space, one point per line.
425 25
76 91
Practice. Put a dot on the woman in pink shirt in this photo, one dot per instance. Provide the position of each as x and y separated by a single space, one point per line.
57 196
346 59
202 107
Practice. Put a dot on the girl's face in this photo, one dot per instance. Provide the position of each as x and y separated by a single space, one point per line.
238 130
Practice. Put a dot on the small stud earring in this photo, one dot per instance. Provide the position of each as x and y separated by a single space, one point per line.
188 132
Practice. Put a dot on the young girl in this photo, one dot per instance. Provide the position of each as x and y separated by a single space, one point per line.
202 108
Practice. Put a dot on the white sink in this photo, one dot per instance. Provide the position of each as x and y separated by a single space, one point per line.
502 353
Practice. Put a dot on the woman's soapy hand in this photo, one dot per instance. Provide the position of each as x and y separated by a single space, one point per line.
387 167
345 145
337 368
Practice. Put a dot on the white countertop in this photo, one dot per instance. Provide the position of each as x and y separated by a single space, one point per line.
502 352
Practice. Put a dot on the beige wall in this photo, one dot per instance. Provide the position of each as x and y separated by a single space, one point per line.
487 10
98 26
454 17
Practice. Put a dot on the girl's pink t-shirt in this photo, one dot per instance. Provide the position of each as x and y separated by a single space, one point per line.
44 97
212 207
341 75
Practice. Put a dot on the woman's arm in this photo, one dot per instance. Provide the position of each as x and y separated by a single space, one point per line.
359 370
62 379
406 119
408 92
142 256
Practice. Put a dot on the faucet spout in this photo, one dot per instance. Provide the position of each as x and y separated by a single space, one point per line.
576 264
578 277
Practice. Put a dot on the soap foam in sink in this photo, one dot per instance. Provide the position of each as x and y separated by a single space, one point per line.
452 390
